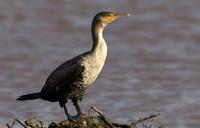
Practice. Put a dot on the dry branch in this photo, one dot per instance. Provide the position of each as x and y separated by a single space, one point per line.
87 121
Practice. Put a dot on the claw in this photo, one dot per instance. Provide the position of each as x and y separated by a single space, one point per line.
71 119
81 114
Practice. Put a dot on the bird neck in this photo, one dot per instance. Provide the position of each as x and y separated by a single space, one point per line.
97 35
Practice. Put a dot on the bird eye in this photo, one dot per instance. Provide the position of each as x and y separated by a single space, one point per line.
109 18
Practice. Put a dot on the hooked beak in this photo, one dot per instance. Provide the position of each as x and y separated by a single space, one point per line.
123 14
119 15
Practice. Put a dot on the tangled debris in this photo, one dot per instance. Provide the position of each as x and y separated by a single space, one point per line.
88 121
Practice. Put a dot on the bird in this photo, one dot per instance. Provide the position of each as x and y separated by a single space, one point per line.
71 79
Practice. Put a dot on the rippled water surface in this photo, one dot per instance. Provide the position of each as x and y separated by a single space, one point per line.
153 62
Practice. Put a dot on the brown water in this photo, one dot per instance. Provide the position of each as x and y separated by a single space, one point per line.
153 62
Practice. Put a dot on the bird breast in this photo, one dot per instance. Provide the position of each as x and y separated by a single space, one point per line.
94 63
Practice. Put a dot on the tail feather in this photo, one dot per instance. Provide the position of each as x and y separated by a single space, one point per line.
29 96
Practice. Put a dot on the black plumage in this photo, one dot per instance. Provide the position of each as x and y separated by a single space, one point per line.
72 78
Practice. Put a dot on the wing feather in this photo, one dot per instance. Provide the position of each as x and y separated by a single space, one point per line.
65 73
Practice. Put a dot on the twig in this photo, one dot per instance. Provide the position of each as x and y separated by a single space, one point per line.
114 124
144 119
41 123
102 117
16 120
110 124
121 125
88 115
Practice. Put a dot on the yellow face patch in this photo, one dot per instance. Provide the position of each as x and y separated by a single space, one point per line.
110 18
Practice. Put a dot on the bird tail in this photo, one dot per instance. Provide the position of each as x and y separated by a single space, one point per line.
31 96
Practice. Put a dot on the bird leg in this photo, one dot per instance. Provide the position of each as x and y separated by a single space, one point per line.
70 118
78 109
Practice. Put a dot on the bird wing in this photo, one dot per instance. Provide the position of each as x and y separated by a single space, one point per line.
65 73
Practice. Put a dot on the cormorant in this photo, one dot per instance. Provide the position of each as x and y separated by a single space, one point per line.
71 79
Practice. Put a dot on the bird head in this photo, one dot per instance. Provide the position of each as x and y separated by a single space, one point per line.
107 17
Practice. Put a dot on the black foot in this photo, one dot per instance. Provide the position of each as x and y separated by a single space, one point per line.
69 117
78 119
81 115
72 118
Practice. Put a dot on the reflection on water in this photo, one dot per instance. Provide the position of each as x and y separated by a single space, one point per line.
152 66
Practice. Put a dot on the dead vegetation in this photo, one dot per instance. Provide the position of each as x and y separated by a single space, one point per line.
88 121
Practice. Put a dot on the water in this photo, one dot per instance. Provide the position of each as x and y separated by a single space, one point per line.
152 65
